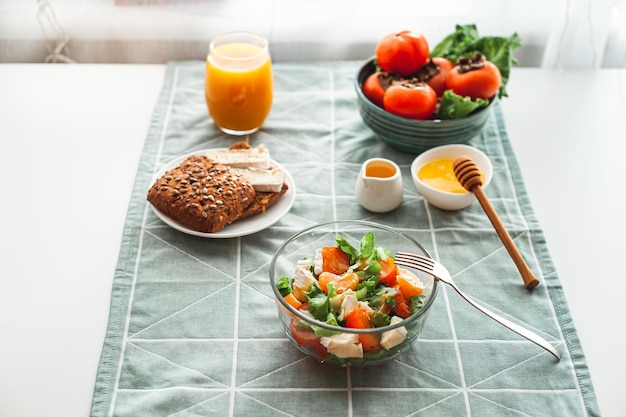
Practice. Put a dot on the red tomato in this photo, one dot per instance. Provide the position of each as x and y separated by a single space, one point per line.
388 271
415 101
475 78
403 52
360 318
373 89
438 81
335 260
306 338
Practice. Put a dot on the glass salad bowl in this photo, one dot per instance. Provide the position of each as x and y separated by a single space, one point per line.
340 297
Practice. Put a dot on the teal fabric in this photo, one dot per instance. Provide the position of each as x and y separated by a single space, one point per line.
193 327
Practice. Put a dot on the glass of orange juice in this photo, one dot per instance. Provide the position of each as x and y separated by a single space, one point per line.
239 82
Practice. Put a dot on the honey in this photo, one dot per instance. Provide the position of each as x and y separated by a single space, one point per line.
380 169
439 174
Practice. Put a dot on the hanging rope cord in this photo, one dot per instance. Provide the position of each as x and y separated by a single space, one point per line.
55 37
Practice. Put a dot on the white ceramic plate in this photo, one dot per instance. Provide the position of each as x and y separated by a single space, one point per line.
247 226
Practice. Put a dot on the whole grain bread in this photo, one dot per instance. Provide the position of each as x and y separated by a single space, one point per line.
201 194
262 201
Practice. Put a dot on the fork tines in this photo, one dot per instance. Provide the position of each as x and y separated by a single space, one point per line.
414 260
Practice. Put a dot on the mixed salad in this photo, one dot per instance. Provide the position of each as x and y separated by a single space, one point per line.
348 287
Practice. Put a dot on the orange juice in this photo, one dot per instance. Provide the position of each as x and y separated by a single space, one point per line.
239 86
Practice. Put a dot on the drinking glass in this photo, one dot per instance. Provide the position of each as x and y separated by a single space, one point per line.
239 82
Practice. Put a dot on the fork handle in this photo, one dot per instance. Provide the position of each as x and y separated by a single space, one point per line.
530 280
533 337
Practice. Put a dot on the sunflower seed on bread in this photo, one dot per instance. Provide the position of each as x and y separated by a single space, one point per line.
202 194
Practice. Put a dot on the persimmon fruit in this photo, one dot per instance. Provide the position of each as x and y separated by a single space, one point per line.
403 52
373 89
474 77
415 101
437 80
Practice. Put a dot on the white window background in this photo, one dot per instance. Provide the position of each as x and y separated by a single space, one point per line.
562 34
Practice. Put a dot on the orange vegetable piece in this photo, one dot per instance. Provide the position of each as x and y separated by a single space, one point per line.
293 301
409 284
401 308
388 271
361 318
342 283
334 260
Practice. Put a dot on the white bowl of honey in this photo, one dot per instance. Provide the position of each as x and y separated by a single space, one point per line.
434 178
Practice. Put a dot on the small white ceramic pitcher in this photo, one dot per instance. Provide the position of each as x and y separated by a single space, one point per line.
379 185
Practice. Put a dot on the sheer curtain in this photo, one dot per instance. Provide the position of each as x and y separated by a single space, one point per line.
587 34
562 34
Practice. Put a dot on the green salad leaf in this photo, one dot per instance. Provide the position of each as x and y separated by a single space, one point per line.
331 319
368 245
367 252
318 303
372 269
465 41
345 246
319 306
284 285
453 46
454 106
418 302
381 319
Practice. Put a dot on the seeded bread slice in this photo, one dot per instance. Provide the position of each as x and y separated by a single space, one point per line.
202 194
262 201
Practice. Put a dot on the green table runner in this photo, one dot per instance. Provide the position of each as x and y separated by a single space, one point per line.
193 328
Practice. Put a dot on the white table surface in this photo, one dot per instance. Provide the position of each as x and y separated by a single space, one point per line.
71 137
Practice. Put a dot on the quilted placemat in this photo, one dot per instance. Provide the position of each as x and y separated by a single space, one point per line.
193 328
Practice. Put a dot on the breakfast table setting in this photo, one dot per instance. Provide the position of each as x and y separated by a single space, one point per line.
113 309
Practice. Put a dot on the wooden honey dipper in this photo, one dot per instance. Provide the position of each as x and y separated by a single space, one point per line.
469 176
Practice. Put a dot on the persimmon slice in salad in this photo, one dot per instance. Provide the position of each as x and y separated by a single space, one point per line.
348 287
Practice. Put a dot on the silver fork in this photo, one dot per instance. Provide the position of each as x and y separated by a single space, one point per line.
437 270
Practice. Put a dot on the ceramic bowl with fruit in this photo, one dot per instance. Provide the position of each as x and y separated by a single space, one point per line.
341 298
415 98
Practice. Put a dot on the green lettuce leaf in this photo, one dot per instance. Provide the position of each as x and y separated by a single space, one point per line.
452 47
372 269
318 303
284 285
368 245
345 246
417 303
381 319
331 319
454 106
